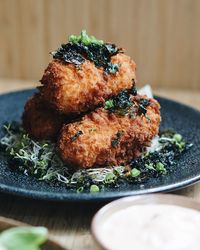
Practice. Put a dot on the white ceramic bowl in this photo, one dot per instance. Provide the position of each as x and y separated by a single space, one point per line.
104 213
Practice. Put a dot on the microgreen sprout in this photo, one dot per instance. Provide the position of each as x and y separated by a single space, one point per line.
84 47
160 167
109 104
135 172
94 189
84 39
40 159
110 178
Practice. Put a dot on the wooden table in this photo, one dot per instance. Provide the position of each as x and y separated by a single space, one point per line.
70 223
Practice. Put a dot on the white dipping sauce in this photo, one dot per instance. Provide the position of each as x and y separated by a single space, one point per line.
152 227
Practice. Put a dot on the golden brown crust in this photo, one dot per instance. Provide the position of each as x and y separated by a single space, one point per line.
40 121
73 90
93 147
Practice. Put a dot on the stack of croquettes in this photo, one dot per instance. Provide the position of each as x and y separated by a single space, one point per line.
88 104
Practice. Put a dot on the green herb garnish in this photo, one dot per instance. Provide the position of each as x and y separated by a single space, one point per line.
160 167
135 172
40 159
84 39
80 189
109 104
110 178
23 238
94 189
122 104
177 137
119 104
84 47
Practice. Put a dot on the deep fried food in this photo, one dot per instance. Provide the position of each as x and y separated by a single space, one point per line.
74 90
104 138
40 121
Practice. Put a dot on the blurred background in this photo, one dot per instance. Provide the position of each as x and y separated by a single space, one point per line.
162 36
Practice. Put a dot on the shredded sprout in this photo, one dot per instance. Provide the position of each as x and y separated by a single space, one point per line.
41 160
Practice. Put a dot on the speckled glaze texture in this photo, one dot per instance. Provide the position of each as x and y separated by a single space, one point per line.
181 118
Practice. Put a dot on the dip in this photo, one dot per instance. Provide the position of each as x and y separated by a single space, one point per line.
151 227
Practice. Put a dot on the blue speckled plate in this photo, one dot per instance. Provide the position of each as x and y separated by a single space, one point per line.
182 118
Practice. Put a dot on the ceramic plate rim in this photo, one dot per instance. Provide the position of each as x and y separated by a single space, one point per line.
102 196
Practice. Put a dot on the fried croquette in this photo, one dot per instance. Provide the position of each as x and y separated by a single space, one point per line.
103 138
71 89
40 121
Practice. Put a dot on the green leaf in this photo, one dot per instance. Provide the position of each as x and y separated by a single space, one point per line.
84 39
135 172
177 137
160 167
80 189
150 166
109 104
94 189
23 238
110 178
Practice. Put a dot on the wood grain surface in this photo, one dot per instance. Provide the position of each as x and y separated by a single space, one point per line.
162 36
69 223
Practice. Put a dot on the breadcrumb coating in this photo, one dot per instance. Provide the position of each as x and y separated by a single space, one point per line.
70 89
40 121
103 138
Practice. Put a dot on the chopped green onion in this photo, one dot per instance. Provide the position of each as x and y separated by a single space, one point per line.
150 166
85 39
41 160
94 189
135 172
80 190
177 137
109 104
160 167
110 178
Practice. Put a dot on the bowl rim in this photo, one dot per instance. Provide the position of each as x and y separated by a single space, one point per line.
119 204
73 197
